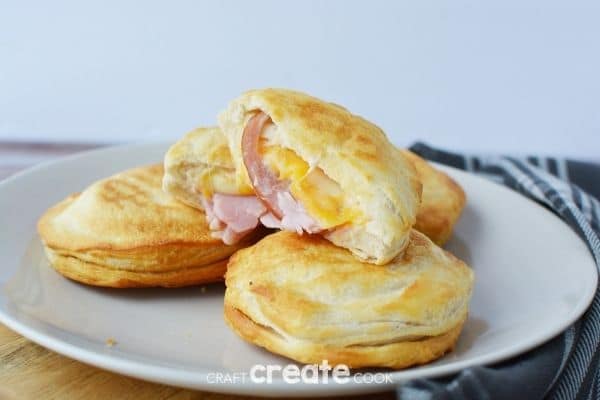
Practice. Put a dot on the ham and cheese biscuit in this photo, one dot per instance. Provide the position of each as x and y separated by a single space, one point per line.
306 299
321 169
124 231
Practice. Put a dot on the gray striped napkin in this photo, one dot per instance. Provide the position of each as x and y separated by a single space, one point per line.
566 367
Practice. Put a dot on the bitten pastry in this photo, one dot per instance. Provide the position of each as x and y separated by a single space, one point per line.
304 298
442 202
124 231
320 169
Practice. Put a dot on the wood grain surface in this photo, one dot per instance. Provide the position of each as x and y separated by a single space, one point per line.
29 371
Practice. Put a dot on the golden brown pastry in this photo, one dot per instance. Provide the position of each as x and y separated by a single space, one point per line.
321 169
442 202
304 298
124 231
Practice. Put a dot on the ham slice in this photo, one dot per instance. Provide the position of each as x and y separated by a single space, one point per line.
295 217
240 213
287 213
265 182
231 217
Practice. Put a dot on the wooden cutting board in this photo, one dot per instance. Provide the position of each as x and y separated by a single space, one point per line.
29 371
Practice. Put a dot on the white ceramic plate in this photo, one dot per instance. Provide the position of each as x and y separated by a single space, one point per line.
533 278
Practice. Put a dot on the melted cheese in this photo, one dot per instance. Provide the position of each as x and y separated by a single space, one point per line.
321 196
219 180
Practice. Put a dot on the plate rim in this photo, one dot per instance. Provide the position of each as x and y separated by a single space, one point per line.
188 379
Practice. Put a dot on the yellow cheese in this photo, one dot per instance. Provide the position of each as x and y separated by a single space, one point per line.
321 196
284 162
216 179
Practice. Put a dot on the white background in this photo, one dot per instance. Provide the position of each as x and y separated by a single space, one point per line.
521 77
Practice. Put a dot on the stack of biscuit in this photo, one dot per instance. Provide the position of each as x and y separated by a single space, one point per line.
327 235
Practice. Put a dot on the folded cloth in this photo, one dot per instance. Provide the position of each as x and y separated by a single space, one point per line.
568 366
